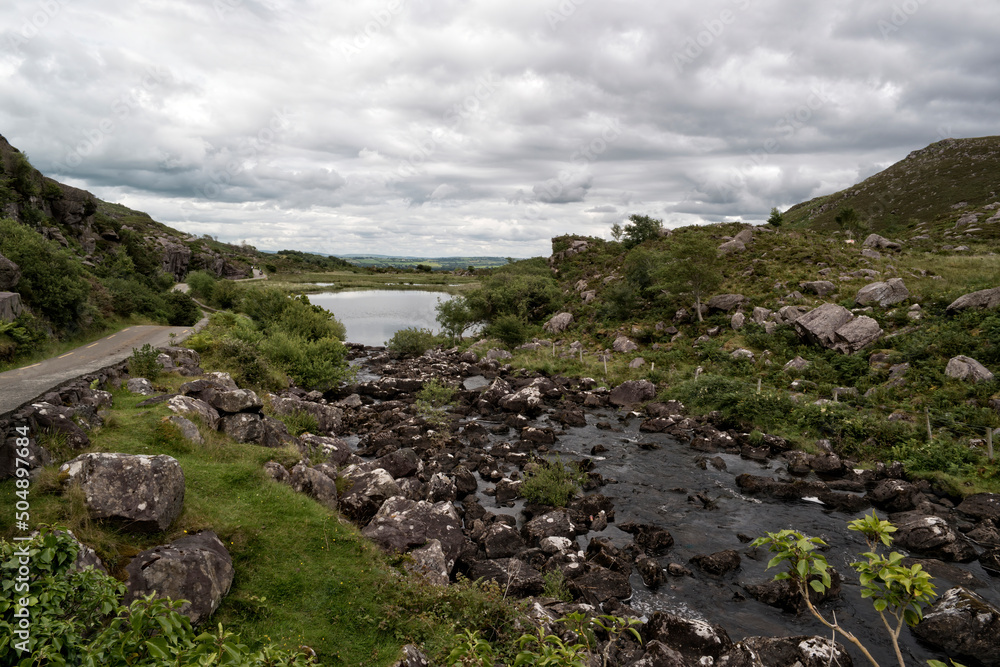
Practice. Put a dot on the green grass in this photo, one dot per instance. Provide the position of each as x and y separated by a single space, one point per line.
302 282
303 575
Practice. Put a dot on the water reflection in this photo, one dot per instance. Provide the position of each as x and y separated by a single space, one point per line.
373 316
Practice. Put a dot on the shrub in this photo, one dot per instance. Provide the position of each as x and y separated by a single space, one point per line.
202 284
551 483
181 310
299 422
641 228
76 619
143 363
411 341
508 329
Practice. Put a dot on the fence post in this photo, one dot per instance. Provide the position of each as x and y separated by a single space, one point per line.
989 443
927 417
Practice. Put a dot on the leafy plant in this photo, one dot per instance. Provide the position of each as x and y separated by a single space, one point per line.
144 364
551 483
896 591
412 341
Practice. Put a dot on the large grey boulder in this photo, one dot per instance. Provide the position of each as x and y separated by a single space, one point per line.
633 392
819 326
238 400
328 418
189 430
726 302
430 563
332 450
884 294
526 400
699 642
932 536
857 334
187 406
142 492
243 427
982 506
10 306
624 344
559 323
514 576
402 524
556 523
798 651
965 624
834 327
10 274
140 386
196 568
314 484
876 241
968 369
745 237
58 418
731 247
364 492
819 287
987 298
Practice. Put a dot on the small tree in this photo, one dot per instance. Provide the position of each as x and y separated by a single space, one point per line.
896 591
694 269
616 232
775 219
641 228
455 316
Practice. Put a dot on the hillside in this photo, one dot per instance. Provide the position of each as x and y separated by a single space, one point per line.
948 181
72 265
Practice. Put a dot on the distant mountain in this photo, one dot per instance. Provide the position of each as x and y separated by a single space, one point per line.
436 263
936 185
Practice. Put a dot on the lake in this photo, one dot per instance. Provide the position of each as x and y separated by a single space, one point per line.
373 316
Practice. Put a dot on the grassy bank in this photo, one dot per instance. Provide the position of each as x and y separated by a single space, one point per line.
303 575
342 280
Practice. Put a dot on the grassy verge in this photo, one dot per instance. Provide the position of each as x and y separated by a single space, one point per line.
303 576
344 280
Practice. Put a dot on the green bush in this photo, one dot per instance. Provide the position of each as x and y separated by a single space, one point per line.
181 310
551 483
508 329
411 341
75 619
143 363
202 284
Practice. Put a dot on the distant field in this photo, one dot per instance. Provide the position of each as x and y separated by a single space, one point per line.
436 263
344 280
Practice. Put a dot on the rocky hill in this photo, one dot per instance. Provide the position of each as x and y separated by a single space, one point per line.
951 181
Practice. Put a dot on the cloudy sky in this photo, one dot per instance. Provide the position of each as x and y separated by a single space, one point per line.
482 127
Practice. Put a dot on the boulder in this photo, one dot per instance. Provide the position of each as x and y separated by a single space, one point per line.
189 430
987 298
699 642
243 427
963 623
558 323
527 400
440 488
412 657
328 417
142 492
331 450
990 560
314 484
658 654
556 523
883 293
653 540
238 400
968 369
403 462
502 541
633 392
798 651
140 386
726 302
10 306
742 353
600 585
731 247
932 536
187 406
982 506
760 315
737 321
796 364
402 525
624 344
195 568
10 274
894 495
745 237
876 241
652 574
785 595
430 563
819 287
514 576
819 326
46 416
719 563
857 334
365 492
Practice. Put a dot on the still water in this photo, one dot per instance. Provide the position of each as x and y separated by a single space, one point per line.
373 316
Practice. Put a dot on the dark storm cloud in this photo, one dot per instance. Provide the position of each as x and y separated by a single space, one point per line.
448 127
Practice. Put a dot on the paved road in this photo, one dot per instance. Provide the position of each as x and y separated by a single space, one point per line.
21 385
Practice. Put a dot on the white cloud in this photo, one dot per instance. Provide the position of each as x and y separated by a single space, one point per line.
476 127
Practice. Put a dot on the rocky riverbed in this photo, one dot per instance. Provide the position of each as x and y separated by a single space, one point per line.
661 531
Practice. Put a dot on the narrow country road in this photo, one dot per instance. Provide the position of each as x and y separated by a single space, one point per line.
21 385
